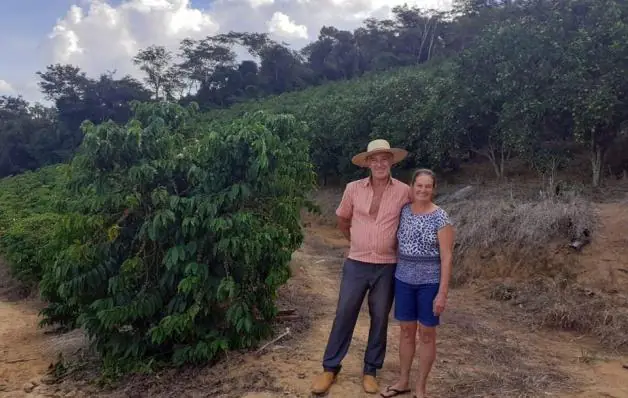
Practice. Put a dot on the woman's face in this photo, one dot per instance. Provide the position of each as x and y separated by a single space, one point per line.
423 188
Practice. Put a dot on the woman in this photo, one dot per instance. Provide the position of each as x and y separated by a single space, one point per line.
425 237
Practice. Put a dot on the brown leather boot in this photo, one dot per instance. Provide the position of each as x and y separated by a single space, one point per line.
370 384
322 382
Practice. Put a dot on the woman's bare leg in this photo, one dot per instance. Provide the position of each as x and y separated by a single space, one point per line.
427 354
407 344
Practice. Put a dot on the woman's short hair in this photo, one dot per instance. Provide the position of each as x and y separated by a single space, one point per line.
423 172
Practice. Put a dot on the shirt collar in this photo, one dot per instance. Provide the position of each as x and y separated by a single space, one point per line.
367 181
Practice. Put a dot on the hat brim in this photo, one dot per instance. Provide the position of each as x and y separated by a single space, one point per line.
361 158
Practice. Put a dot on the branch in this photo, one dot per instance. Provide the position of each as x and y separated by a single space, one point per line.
276 339
19 360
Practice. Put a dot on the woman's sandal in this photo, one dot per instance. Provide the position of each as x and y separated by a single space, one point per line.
395 392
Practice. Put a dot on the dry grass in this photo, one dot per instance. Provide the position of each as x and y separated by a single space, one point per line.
515 382
498 216
527 225
502 235
561 304
489 362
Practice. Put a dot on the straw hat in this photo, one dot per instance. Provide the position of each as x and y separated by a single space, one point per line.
379 146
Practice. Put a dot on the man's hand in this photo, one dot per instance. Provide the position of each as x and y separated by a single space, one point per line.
440 302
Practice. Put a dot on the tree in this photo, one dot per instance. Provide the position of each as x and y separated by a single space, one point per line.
417 33
334 55
201 58
28 138
161 76
78 98
63 81
594 79
502 89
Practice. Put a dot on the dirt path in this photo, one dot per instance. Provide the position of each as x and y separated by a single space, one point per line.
26 352
21 346
484 350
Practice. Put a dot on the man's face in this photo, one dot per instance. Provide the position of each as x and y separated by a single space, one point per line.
380 165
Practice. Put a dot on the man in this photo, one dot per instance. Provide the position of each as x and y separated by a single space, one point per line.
368 216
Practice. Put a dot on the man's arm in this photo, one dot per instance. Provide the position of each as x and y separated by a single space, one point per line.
344 224
344 212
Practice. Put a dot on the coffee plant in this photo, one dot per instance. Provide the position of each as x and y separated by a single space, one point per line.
182 236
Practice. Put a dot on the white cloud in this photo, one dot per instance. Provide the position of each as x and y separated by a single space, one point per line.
99 36
260 3
281 25
6 88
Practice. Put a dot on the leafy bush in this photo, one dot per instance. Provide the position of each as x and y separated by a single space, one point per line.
30 206
25 245
33 192
184 236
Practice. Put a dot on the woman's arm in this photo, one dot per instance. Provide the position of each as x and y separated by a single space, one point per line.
446 243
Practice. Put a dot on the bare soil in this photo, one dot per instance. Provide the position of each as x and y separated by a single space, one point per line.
486 348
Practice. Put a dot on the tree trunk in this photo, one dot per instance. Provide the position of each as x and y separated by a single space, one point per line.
503 155
597 161
498 164
423 39
429 51
497 168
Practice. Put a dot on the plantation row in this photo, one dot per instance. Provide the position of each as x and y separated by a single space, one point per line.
546 83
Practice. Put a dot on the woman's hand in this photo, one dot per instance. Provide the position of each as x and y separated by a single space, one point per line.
440 302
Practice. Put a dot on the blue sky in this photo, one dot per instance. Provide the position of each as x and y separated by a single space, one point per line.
24 27
23 24
101 35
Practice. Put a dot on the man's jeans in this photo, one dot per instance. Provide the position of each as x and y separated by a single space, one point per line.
358 278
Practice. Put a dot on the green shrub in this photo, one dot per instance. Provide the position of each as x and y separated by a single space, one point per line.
185 234
26 245
30 206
